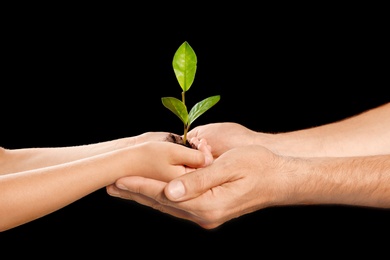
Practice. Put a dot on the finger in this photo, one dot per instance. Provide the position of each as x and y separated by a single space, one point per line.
193 133
193 184
112 190
173 211
206 150
193 158
149 192
137 184
147 201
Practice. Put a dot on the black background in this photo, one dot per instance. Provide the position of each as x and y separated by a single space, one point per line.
96 73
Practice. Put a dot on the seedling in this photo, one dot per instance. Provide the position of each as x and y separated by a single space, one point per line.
184 66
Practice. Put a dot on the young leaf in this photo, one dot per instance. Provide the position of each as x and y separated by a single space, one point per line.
177 107
184 65
202 107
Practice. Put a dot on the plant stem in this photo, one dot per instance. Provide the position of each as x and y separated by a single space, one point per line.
183 99
185 135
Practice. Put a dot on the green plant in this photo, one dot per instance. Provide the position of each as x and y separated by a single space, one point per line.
184 65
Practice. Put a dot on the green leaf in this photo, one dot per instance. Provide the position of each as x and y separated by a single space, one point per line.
202 107
184 65
177 107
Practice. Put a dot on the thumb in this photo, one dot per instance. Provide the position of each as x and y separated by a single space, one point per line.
191 185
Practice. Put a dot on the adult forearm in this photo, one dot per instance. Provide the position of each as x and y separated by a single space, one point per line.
364 134
360 181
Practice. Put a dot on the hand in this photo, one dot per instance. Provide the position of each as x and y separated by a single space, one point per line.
223 136
240 181
163 160
150 136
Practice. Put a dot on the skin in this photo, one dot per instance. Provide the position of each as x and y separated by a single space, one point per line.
37 181
341 163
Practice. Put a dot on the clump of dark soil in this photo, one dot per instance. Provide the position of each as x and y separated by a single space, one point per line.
177 139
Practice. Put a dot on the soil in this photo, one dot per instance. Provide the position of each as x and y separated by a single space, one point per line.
179 140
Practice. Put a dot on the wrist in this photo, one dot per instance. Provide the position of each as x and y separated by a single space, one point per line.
291 144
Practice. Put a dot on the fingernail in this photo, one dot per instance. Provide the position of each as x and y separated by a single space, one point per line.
209 160
113 192
121 186
176 189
